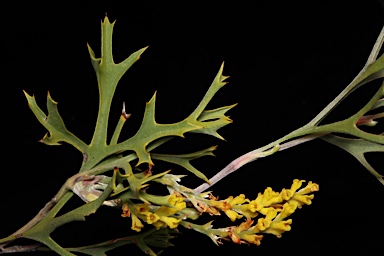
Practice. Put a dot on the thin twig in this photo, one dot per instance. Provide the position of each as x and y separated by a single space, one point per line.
20 248
250 157
352 86
376 48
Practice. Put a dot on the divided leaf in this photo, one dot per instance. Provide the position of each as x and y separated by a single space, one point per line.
54 124
218 113
357 148
200 121
183 160
150 131
108 75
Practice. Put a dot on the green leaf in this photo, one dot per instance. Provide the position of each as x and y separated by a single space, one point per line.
357 148
184 160
54 124
150 130
212 127
218 113
108 75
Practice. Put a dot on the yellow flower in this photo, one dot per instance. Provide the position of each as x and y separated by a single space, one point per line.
136 223
271 213
270 197
286 194
177 201
150 217
255 205
262 224
236 205
244 210
240 199
252 238
232 215
267 199
244 226
296 185
311 187
277 228
170 221
288 209
222 205
166 211
302 199
140 208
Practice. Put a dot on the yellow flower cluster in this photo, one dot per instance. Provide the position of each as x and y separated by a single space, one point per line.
158 216
275 207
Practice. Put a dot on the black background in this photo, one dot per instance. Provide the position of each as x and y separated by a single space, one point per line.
286 59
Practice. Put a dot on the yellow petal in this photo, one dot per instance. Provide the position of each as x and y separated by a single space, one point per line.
286 194
233 215
262 224
303 199
272 212
240 199
166 211
253 239
141 208
249 214
278 228
288 209
296 185
254 206
177 201
136 223
311 187
222 205
270 197
150 217
170 221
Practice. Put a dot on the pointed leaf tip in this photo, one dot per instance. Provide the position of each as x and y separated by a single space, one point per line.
50 98
220 77
91 52
106 19
139 52
27 95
